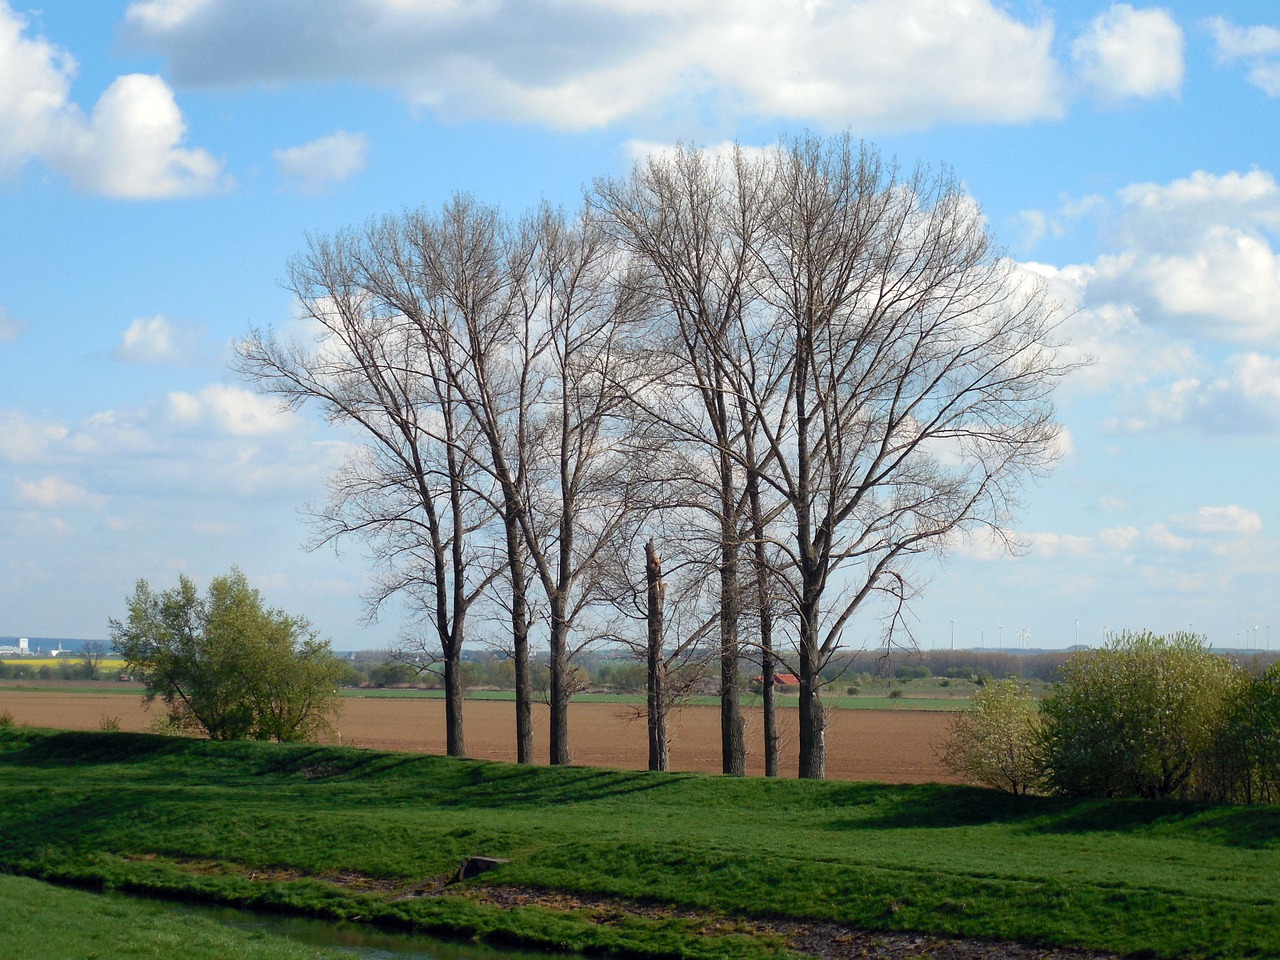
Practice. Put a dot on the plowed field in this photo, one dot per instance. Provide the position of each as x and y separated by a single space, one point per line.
893 746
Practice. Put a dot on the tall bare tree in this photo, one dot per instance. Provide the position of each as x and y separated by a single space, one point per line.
920 364
692 222
540 385
410 488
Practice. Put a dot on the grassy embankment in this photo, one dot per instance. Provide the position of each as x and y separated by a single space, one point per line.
34 925
347 833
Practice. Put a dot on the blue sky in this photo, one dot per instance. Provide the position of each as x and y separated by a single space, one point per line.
161 160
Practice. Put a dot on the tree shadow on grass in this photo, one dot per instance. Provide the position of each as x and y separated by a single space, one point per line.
59 748
490 785
942 807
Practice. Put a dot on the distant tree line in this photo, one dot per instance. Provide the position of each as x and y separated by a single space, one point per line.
730 404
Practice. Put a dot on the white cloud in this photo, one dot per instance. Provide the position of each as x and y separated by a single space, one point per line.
1242 397
11 328
1119 538
1196 264
232 410
129 147
1046 544
587 63
1164 538
1230 520
24 439
326 160
154 340
53 492
1259 46
1131 53
1109 338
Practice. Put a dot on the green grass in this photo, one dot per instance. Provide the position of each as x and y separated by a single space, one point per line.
264 825
41 922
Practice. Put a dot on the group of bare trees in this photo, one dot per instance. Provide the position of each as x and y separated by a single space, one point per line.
723 408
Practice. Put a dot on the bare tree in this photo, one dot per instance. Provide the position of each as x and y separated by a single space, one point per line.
410 489
692 223
92 654
920 365
467 303
540 385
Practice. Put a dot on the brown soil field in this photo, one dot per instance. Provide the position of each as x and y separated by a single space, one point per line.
892 746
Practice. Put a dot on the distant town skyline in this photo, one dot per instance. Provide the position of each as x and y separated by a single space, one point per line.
161 161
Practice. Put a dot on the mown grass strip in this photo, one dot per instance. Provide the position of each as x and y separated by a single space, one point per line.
241 821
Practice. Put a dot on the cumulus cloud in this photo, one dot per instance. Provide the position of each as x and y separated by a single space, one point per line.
587 63
1129 53
1231 520
1183 319
154 340
1193 269
1241 397
24 439
327 160
231 410
129 146
11 328
54 492
1257 46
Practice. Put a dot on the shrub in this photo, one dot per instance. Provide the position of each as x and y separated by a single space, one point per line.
1140 716
993 742
109 724
227 666
914 672
6 718
1245 764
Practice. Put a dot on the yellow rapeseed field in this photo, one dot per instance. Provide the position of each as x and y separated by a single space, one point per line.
108 663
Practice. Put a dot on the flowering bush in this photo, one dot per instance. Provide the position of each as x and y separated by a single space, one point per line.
993 741
1142 716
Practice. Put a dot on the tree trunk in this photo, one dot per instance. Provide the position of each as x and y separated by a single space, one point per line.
455 742
560 690
813 719
769 673
520 641
656 673
768 664
732 744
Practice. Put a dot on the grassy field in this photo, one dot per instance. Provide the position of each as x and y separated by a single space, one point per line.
345 833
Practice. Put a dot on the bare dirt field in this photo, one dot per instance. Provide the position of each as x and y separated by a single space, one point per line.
892 746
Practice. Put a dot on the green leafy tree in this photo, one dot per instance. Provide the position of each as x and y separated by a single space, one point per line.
994 741
225 665
1137 717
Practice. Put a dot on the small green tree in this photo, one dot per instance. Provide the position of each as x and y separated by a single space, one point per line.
1137 717
994 741
227 666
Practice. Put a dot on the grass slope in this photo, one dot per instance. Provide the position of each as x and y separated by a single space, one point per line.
40 922
280 826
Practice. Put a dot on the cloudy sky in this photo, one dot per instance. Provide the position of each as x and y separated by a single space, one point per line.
161 160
